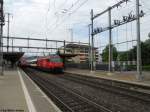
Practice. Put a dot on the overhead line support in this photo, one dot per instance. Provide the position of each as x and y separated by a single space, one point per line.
126 19
139 60
92 42
1 35
108 28
110 8
110 40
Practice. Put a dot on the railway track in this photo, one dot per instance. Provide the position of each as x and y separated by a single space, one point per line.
131 90
65 99
129 98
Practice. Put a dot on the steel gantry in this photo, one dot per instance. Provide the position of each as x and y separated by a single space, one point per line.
29 46
125 20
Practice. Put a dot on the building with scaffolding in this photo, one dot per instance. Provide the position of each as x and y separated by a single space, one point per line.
81 53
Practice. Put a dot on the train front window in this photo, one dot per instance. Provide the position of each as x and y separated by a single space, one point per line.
56 59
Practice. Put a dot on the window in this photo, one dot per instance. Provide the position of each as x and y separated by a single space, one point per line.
55 60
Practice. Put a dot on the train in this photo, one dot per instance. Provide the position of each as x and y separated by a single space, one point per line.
52 63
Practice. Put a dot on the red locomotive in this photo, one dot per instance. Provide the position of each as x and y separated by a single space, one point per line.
52 63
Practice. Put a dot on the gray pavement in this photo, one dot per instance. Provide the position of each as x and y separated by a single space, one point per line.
11 93
18 93
129 77
41 102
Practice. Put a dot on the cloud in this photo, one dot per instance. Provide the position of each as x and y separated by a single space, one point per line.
46 18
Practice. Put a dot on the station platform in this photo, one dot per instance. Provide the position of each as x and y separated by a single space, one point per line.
18 93
129 77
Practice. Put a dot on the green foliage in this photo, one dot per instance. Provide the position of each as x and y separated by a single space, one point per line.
133 67
145 52
129 55
146 68
122 56
105 54
58 52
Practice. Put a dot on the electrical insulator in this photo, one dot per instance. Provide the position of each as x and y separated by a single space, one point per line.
125 18
142 13
95 32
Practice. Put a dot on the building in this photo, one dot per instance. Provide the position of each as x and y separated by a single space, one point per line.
80 51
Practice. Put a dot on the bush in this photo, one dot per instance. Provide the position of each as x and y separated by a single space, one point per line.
131 67
146 68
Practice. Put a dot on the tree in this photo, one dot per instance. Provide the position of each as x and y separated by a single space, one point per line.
145 52
122 56
58 52
130 55
105 53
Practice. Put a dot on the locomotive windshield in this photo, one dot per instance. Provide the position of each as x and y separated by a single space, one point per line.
56 59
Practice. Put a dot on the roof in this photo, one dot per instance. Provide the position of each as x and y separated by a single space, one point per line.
78 46
67 55
12 56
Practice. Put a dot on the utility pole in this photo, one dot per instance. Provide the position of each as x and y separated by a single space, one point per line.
139 62
92 42
8 15
1 48
89 27
46 43
64 59
1 35
110 39
28 42
12 44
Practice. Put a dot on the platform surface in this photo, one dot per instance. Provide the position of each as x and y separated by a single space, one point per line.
129 77
19 93
11 93
40 100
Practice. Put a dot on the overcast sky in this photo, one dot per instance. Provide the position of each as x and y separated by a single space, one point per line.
52 19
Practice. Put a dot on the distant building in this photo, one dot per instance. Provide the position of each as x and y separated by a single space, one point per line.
81 53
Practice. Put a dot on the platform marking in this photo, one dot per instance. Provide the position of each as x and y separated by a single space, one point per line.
29 102
44 95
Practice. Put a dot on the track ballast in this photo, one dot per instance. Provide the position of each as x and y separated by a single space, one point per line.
76 93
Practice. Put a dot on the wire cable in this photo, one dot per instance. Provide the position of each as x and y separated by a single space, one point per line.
78 7
64 15
70 14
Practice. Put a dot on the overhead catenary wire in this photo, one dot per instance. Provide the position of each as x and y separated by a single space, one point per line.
78 7
56 15
63 4
54 4
48 6
145 5
56 22
76 2
46 16
69 15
